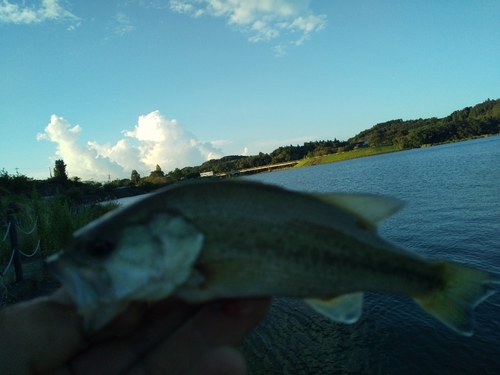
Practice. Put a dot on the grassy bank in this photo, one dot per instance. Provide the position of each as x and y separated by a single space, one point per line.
359 153
50 221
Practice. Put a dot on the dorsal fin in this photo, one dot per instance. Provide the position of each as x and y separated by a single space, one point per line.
373 209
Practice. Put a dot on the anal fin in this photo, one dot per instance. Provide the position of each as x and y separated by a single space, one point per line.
346 308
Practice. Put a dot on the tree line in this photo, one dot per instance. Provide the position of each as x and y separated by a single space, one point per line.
479 120
470 122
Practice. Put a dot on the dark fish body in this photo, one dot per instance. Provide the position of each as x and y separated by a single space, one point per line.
293 245
208 240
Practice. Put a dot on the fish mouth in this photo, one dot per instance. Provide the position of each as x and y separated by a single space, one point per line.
90 289
81 282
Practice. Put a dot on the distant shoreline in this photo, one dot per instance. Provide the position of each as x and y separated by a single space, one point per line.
369 151
348 155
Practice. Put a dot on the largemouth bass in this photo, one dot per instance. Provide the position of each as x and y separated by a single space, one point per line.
210 240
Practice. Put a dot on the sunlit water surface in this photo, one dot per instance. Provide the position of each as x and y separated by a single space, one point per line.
453 212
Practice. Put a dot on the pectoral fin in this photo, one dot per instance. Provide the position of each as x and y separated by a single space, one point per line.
345 309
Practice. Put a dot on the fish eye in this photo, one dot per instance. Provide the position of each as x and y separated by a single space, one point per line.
101 248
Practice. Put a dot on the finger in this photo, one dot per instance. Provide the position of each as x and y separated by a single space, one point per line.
212 327
229 322
39 335
223 361
123 324
117 355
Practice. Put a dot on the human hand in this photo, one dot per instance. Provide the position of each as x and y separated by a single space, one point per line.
44 336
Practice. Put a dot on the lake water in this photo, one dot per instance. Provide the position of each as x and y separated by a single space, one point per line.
453 212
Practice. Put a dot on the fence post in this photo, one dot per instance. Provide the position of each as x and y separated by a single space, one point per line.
15 245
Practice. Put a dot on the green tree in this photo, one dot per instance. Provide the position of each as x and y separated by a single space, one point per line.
76 180
157 172
18 184
135 177
60 171
176 174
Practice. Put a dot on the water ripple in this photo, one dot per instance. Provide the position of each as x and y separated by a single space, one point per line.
452 212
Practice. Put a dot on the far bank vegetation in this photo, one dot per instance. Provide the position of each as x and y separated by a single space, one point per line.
58 200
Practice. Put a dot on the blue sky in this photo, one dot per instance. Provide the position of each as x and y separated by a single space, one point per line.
120 85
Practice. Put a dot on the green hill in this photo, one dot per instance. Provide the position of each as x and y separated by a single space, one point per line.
470 122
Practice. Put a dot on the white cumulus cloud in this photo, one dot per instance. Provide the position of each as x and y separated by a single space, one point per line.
167 143
23 14
261 20
154 140
81 161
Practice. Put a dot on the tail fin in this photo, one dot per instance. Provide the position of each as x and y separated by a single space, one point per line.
454 304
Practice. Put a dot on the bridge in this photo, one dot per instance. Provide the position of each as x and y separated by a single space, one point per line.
269 168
